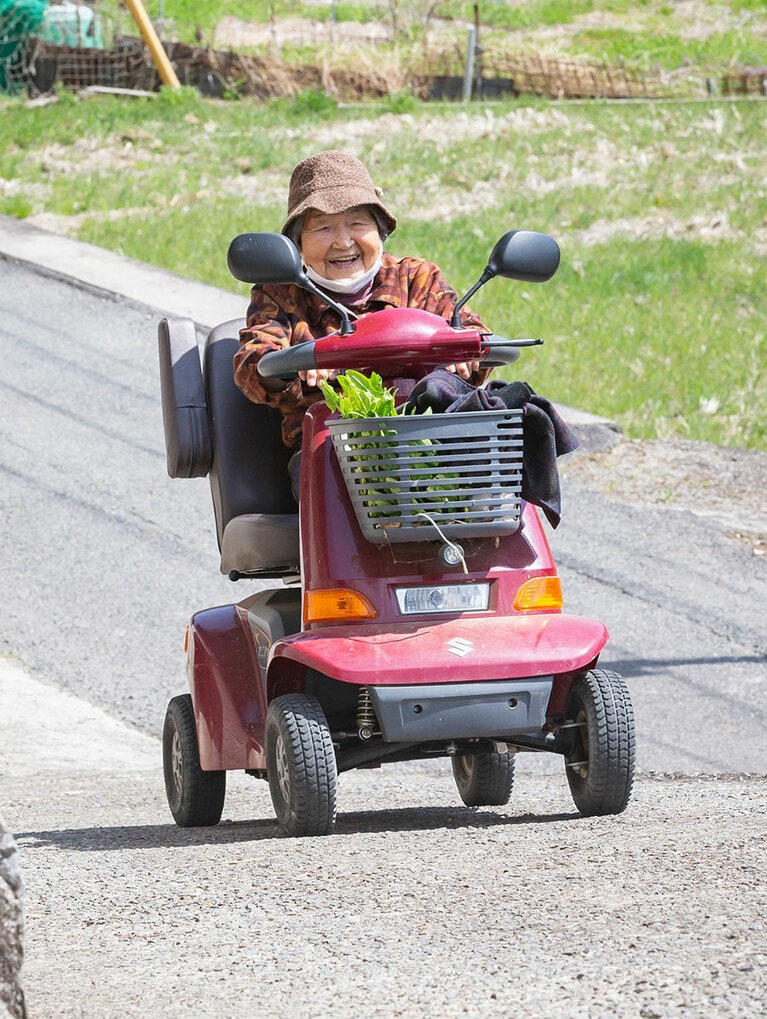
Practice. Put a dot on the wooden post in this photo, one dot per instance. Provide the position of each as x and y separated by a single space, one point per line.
468 74
148 34
477 52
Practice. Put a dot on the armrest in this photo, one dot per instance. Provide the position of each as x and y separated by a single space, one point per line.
188 442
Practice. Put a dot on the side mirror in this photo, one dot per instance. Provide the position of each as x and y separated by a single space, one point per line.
524 255
263 258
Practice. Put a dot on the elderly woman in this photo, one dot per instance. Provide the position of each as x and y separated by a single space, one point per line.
339 224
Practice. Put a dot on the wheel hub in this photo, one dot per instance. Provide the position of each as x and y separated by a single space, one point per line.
583 767
282 768
176 762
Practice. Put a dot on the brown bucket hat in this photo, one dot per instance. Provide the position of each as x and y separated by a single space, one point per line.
332 182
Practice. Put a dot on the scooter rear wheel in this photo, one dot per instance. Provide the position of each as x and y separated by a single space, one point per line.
600 724
484 780
301 765
195 797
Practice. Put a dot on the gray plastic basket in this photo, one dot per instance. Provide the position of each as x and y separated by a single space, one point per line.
460 472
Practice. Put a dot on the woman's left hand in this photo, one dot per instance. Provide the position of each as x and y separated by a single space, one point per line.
313 376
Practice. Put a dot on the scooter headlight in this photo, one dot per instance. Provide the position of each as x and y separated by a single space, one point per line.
443 598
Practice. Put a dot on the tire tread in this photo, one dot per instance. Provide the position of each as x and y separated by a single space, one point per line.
607 787
301 722
489 782
200 802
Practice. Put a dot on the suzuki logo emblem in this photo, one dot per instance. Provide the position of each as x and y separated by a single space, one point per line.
459 646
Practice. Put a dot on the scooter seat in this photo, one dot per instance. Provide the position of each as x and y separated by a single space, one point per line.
213 430
255 542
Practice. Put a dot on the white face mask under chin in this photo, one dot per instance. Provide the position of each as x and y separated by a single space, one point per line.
344 286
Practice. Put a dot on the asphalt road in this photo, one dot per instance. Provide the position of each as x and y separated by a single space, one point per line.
104 558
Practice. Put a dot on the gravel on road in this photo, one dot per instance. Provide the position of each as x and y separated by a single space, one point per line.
416 906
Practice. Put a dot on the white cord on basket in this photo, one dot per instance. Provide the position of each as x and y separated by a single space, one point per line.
450 544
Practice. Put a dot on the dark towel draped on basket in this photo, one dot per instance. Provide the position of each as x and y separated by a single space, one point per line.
545 434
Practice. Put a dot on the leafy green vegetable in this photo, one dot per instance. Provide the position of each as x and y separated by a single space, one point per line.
366 397
361 396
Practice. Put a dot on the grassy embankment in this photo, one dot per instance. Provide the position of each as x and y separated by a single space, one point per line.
657 34
657 317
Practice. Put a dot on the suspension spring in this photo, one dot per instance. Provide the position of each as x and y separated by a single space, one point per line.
367 723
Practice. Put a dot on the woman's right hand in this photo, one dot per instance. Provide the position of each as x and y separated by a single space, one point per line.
464 370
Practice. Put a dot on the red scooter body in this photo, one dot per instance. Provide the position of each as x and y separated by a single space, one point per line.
344 672
228 650
391 650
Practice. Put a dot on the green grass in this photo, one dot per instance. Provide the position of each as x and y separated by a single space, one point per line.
188 15
515 17
657 50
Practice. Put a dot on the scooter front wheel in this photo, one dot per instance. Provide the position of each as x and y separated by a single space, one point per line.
301 765
484 780
600 727
195 797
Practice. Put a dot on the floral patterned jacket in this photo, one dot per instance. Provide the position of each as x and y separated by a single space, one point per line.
281 316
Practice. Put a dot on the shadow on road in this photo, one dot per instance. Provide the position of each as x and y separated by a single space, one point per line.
654 668
632 667
161 836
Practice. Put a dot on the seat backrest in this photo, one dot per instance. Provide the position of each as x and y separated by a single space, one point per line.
249 474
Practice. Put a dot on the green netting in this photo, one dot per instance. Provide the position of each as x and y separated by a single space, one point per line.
19 19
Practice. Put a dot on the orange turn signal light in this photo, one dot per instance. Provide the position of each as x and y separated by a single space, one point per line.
539 594
336 604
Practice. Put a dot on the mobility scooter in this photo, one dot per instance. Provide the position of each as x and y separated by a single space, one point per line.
408 607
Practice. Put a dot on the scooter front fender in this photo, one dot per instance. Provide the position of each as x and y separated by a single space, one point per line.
453 650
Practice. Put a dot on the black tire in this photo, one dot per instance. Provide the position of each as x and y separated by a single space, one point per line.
600 726
484 780
301 766
195 797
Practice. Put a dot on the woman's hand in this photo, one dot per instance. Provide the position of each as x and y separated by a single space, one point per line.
464 370
314 376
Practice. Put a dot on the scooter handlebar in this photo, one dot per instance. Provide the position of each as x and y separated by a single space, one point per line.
500 350
393 341
287 363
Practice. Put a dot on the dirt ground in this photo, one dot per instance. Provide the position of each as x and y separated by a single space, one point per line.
727 484
234 33
698 20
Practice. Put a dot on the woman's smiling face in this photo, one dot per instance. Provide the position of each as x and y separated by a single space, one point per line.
340 245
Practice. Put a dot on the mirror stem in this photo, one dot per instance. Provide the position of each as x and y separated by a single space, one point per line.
487 274
346 316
